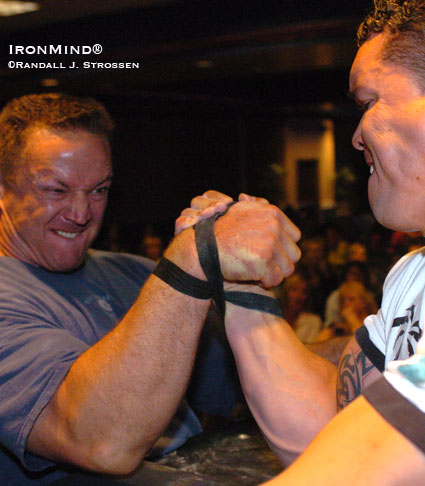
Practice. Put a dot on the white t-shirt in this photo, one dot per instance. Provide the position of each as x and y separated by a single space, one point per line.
393 333
393 339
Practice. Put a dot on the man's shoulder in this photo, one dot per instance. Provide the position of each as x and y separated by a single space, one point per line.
20 281
98 263
410 265
15 267
8 262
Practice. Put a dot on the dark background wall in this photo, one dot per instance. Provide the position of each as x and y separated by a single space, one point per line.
217 82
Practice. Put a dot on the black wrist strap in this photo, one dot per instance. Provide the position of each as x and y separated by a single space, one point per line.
175 277
181 281
262 303
208 256
209 261
206 246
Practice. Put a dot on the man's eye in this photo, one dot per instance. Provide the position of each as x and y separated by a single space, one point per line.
365 106
55 190
101 191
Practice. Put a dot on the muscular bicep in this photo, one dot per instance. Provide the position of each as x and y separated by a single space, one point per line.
355 373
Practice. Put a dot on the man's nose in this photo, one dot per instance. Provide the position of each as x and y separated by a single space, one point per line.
78 210
357 139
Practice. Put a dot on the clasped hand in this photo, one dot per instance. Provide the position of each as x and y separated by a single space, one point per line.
256 241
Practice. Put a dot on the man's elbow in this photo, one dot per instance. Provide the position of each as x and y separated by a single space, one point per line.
113 459
286 455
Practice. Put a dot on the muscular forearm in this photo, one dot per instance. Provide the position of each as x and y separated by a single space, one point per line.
290 390
120 394
357 447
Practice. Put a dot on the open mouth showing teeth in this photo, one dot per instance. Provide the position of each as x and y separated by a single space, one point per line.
371 169
67 235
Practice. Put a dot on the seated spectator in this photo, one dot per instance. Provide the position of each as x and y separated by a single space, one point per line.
357 252
353 271
296 304
356 303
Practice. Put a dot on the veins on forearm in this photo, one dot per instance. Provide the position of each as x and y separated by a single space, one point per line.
352 371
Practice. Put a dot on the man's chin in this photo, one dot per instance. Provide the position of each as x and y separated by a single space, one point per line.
393 224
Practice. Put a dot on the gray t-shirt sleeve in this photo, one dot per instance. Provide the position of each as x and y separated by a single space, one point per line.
35 357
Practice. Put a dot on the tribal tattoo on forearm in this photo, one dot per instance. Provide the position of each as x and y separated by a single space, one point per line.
352 371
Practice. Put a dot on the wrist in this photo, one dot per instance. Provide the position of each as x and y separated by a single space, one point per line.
183 253
253 288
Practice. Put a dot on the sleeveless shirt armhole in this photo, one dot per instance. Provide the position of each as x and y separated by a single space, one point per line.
370 350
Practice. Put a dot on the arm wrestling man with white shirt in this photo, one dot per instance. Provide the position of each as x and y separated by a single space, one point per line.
293 393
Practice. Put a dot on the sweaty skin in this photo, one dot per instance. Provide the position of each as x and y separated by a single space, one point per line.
53 207
391 135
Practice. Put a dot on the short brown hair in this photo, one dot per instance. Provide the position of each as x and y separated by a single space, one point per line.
404 21
50 110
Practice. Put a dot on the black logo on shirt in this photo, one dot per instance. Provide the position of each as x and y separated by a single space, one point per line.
408 334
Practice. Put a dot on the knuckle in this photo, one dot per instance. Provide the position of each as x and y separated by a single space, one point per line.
272 213
298 254
275 211
289 269
186 212
273 277
207 212
193 202
275 226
